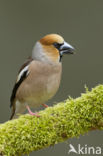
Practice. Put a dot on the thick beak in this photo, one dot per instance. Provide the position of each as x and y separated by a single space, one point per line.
66 49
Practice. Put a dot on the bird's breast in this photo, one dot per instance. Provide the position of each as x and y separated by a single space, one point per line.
42 83
53 83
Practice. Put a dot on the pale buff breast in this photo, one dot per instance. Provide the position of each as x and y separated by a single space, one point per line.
41 84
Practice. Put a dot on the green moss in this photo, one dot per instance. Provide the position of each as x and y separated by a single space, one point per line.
56 124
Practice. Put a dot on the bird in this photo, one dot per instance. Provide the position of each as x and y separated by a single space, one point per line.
39 77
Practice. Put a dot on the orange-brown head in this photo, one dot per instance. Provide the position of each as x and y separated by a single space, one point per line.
50 48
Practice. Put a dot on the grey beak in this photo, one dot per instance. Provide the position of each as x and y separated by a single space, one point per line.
66 49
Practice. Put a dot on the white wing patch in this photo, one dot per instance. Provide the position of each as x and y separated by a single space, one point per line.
22 72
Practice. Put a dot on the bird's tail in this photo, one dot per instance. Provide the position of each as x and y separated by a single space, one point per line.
13 113
17 109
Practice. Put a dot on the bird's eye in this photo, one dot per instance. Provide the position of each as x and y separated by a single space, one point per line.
57 45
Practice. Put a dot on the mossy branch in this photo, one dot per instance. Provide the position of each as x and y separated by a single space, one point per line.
65 120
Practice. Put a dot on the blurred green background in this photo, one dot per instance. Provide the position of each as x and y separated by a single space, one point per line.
23 22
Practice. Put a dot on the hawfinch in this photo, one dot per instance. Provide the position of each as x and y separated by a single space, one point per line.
39 77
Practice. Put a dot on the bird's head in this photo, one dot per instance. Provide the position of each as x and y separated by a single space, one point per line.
51 48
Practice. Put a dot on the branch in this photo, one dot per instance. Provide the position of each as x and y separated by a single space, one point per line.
56 124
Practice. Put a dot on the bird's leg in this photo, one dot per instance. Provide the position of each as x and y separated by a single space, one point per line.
31 113
45 105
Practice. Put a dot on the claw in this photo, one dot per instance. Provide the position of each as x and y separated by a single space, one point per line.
31 113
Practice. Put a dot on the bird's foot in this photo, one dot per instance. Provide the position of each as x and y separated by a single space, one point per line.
45 105
34 114
31 113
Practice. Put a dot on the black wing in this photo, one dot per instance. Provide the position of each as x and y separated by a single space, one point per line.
22 77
